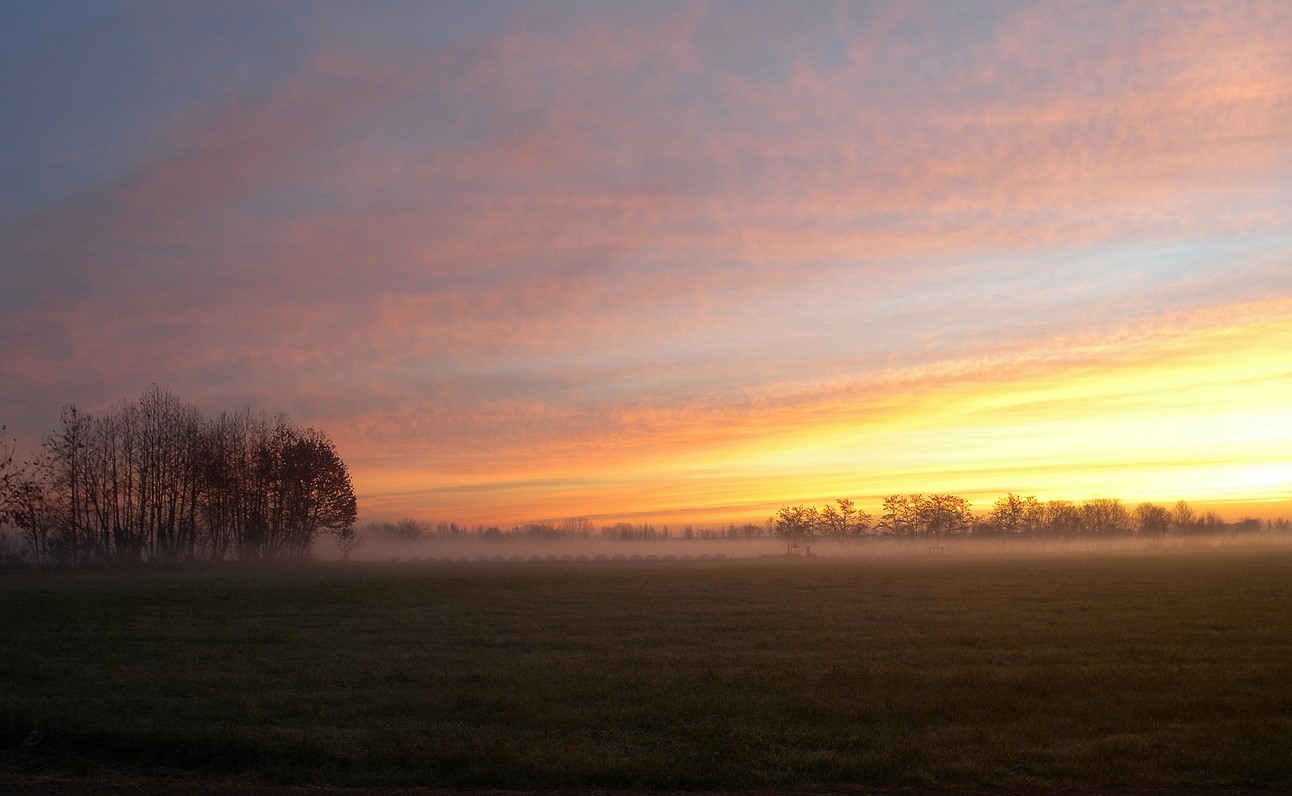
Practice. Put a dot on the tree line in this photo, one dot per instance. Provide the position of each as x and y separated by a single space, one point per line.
410 529
155 481
902 516
940 515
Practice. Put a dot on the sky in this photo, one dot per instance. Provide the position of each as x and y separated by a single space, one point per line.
668 262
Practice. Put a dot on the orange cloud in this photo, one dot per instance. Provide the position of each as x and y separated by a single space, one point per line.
712 274
1194 411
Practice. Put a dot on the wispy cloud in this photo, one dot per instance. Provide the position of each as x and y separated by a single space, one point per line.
646 246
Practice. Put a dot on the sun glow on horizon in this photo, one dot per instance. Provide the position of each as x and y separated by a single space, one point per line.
1197 413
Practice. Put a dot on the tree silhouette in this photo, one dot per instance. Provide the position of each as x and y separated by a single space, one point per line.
1105 517
901 514
1151 520
1183 518
8 478
348 540
797 525
152 481
1013 514
843 520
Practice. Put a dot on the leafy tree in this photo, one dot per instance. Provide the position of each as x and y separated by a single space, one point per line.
1246 525
308 491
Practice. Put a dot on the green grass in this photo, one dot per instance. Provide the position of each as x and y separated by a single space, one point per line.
1152 670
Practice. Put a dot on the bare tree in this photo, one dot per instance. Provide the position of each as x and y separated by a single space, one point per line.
1183 518
942 515
901 514
1014 515
576 526
1062 518
348 540
152 481
843 520
225 461
404 530
13 486
1210 522
1151 520
797 525
34 516
927 515
1105 517
62 471
8 477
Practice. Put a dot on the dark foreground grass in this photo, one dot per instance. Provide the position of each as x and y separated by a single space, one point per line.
1152 670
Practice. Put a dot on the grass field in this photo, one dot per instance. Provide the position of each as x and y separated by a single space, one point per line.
1153 670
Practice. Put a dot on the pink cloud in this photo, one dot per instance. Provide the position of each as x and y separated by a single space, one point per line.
565 237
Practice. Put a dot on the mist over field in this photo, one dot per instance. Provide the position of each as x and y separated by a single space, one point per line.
475 549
